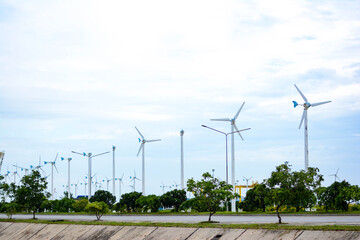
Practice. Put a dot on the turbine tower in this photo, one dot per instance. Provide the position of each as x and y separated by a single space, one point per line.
90 156
304 119
52 175
233 126
69 159
142 147
182 157
113 179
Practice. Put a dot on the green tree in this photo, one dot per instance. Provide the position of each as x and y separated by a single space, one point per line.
31 193
80 205
103 196
173 199
10 209
151 202
257 198
210 192
128 200
99 208
293 188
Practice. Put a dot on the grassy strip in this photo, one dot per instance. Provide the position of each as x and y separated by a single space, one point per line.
272 226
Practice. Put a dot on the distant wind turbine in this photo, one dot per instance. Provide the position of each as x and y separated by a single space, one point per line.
69 159
142 147
107 183
133 179
120 182
38 167
304 119
233 127
335 175
52 175
90 156
163 187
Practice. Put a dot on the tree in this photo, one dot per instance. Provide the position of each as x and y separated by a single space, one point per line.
256 198
31 193
173 199
293 188
210 192
103 196
151 202
80 205
128 200
99 208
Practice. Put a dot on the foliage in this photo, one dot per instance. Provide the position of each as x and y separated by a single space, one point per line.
210 192
99 208
173 199
293 188
63 205
256 199
128 200
80 205
10 209
338 195
31 193
103 196
151 202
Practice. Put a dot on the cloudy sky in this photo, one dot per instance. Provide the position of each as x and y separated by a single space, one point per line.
80 75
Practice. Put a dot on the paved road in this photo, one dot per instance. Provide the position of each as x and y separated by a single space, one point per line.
303 220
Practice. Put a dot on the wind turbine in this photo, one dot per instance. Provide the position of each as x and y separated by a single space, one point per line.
142 147
247 182
163 187
233 126
52 175
304 119
113 179
175 185
107 183
76 186
85 183
133 179
38 167
23 168
90 156
69 159
120 182
14 174
335 175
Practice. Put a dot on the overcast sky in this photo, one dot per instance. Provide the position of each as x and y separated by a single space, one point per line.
80 75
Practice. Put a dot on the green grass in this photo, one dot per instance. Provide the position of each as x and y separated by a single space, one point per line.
196 225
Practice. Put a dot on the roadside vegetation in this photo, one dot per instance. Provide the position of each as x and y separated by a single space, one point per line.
284 192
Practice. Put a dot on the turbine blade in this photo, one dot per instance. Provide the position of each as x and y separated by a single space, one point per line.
302 119
221 119
78 153
141 146
337 171
155 140
139 133
319 103
238 132
100 154
56 168
302 95
238 112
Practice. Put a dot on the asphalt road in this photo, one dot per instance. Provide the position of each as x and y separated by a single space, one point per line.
298 220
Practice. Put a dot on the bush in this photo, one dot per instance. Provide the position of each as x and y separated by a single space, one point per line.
354 207
80 205
99 208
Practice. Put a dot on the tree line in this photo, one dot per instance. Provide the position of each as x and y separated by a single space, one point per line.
284 191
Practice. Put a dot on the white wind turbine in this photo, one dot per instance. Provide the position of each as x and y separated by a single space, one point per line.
163 187
38 167
304 119
90 156
335 175
120 182
182 158
233 127
133 179
69 159
52 175
142 147
23 168
247 183
76 187
107 183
